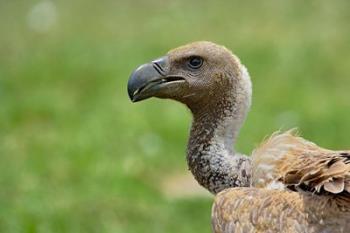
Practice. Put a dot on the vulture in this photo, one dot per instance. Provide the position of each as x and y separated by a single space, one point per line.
288 184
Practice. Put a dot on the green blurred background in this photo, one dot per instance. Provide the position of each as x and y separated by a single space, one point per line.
77 156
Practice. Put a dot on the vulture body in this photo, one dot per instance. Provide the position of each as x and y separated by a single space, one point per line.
296 187
288 184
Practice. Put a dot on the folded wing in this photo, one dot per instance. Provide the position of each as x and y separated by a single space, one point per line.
288 161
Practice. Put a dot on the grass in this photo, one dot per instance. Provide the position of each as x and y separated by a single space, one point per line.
77 156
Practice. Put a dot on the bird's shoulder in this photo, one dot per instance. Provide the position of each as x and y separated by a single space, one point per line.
257 210
264 210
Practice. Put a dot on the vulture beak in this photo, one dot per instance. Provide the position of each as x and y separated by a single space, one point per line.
150 79
145 80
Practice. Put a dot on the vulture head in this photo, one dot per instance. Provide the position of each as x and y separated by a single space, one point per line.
199 74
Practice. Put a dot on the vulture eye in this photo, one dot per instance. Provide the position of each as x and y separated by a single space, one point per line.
195 62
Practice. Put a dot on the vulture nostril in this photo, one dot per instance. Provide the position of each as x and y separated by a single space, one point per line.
160 65
158 68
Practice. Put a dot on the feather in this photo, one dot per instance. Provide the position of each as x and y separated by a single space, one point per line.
335 186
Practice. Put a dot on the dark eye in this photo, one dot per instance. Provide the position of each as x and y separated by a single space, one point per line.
195 62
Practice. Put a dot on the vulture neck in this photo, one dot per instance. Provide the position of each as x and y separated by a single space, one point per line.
211 156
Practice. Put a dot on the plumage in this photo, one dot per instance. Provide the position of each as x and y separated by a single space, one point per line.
297 187
289 184
266 210
300 165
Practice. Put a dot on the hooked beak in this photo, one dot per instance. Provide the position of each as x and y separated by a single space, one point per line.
149 79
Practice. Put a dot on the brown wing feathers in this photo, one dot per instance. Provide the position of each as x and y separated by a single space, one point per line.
300 165
321 174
